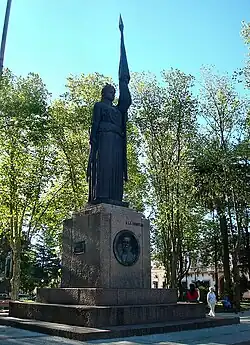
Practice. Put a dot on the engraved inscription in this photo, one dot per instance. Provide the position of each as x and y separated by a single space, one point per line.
128 222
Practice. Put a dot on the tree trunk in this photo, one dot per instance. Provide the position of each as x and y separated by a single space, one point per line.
236 276
216 267
181 274
181 290
16 271
247 249
173 269
235 256
226 262
168 271
247 245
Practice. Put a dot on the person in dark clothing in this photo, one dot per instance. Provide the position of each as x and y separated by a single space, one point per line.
192 294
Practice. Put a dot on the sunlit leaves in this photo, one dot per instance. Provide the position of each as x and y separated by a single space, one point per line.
165 114
246 36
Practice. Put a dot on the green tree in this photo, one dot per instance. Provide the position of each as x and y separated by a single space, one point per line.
210 245
165 115
218 168
40 265
245 32
26 160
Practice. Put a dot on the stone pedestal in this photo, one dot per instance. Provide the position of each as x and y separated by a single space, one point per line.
104 297
106 316
106 273
93 254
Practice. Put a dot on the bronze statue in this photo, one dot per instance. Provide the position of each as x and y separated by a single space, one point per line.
107 167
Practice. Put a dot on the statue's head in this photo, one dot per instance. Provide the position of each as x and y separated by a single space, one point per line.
108 92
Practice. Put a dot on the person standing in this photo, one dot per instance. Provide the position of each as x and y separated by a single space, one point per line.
192 294
211 301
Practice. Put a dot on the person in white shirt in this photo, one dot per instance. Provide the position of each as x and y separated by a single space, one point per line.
211 301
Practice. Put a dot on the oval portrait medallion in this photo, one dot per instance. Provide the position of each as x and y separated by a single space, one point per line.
126 248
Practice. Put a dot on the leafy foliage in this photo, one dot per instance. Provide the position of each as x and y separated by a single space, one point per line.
165 115
26 159
40 265
246 36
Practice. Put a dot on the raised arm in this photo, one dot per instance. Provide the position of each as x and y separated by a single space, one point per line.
124 76
124 101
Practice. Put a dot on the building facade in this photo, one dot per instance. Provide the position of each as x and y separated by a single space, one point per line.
204 275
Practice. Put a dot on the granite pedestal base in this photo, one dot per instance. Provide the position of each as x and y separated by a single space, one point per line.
106 297
106 273
106 316
87 333
100 307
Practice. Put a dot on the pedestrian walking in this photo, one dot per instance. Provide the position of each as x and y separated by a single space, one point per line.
211 301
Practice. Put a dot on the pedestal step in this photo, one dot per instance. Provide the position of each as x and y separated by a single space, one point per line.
105 316
110 297
87 334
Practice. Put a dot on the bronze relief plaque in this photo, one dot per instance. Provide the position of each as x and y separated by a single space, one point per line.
126 248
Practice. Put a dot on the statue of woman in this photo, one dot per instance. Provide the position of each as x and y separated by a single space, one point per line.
108 161
107 168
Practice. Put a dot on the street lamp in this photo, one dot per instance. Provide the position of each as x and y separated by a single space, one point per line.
4 34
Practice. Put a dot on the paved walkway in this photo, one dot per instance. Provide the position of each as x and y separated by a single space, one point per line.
226 335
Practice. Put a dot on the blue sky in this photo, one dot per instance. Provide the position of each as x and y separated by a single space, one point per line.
60 37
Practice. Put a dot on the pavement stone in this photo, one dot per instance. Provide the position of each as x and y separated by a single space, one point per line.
225 335
14 336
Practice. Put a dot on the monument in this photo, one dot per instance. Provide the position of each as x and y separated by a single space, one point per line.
106 268
107 244
107 168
